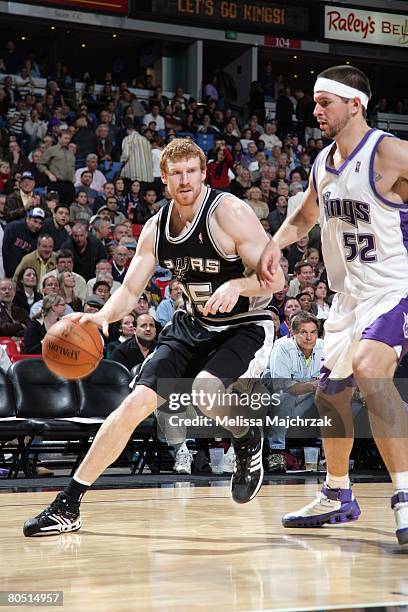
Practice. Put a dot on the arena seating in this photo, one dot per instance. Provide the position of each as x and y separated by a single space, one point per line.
392 122
10 346
35 402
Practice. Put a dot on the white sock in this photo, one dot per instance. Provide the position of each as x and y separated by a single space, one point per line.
82 482
337 482
400 481
178 447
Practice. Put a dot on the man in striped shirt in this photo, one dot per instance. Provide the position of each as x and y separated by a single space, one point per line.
136 157
16 117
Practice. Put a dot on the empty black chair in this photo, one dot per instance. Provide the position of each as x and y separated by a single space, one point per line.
39 394
50 402
11 427
102 391
7 404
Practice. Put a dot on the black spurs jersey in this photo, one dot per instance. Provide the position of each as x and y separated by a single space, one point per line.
199 264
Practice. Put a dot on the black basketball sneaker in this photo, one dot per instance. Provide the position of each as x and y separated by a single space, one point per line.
248 472
60 516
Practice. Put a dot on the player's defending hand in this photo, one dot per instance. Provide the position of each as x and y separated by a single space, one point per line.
268 264
94 317
223 299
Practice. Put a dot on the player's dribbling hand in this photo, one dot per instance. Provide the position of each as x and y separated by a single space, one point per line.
268 264
93 317
223 299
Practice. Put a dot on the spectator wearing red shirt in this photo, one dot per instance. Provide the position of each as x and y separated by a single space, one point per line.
217 170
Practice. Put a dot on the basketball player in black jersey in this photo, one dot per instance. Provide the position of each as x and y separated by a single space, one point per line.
211 242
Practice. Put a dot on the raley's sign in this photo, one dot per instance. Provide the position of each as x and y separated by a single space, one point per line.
355 25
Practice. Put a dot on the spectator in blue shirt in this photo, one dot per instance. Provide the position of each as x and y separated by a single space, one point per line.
165 309
293 372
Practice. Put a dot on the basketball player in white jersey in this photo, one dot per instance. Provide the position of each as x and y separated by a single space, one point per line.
358 192
212 243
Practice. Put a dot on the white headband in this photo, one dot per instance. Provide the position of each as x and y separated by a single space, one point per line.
339 89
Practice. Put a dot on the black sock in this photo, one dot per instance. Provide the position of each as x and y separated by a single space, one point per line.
75 490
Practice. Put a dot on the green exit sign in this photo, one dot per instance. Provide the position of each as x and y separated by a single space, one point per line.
231 34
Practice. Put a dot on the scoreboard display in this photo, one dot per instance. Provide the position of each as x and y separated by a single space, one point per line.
256 16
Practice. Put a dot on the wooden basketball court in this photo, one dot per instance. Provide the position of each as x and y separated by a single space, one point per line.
191 548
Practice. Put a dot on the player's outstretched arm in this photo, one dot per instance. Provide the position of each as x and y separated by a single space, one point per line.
240 231
125 298
293 228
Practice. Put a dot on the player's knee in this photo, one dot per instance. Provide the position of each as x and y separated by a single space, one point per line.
325 403
137 406
205 391
365 367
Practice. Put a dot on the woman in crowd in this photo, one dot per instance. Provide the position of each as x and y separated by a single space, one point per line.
218 169
242 183
66 282
237 152
305 301
254 199
26 289
298 175
52 90
5 174
313 258
126 330
132 199
52 310
189 124
323 308
281 175
120 193
228 117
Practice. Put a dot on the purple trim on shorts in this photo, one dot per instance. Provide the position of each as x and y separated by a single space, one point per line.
352 154
404 227
371 174
332 387
391 328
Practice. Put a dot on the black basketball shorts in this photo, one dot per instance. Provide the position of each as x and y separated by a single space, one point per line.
185 348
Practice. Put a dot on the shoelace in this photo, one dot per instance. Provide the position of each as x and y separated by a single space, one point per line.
243 457
56 507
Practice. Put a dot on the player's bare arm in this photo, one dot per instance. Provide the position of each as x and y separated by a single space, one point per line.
293 228
391 170
237 230
125 298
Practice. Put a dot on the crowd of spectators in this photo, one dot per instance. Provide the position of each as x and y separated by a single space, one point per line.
78 181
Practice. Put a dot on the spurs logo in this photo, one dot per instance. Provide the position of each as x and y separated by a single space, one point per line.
182 265
405 326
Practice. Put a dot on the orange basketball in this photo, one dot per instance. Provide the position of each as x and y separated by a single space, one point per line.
72 350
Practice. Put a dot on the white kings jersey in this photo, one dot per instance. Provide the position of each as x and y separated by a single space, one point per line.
364 235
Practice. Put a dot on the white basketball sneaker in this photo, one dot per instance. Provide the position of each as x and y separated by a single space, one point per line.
399 503
229 460
183 462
